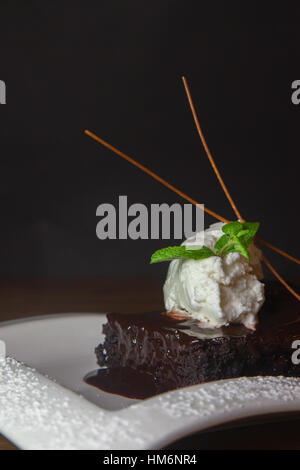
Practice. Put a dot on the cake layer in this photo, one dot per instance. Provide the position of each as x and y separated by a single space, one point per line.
173 353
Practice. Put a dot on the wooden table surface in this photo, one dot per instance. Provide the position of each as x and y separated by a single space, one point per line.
21 298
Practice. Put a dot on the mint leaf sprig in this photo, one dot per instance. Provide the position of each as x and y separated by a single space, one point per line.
177 252
237 237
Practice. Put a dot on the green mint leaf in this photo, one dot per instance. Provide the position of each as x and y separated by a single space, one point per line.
236 247
242 233
240 248
178 252
252 227
167 254
237 237
232 228
220 244
202 253
228 249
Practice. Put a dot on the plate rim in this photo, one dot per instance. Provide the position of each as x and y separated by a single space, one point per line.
155 407
48 316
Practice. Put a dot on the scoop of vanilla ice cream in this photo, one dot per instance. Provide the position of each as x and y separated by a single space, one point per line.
216 291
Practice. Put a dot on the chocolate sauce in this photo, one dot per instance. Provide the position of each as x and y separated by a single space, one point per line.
150 353
123 381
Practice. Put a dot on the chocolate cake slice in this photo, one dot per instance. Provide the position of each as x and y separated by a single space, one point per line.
167 353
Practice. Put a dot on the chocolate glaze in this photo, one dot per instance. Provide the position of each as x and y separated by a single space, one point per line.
123 381
151 353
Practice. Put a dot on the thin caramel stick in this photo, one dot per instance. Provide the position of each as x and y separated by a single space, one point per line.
213 164
154 175
278 250
207 151
177 191
277 275
192 201
221 181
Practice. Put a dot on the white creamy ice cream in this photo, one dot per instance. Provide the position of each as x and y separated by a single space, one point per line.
216 291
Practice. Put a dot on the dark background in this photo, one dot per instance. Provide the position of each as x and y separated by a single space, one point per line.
114 67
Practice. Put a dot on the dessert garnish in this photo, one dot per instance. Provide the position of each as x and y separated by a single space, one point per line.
193 201
237 237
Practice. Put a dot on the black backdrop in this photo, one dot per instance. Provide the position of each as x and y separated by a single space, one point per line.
114 67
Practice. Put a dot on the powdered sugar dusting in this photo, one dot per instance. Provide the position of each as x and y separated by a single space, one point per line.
43 415
229 395
37 413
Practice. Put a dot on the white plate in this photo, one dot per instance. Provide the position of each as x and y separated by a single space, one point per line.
39 413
